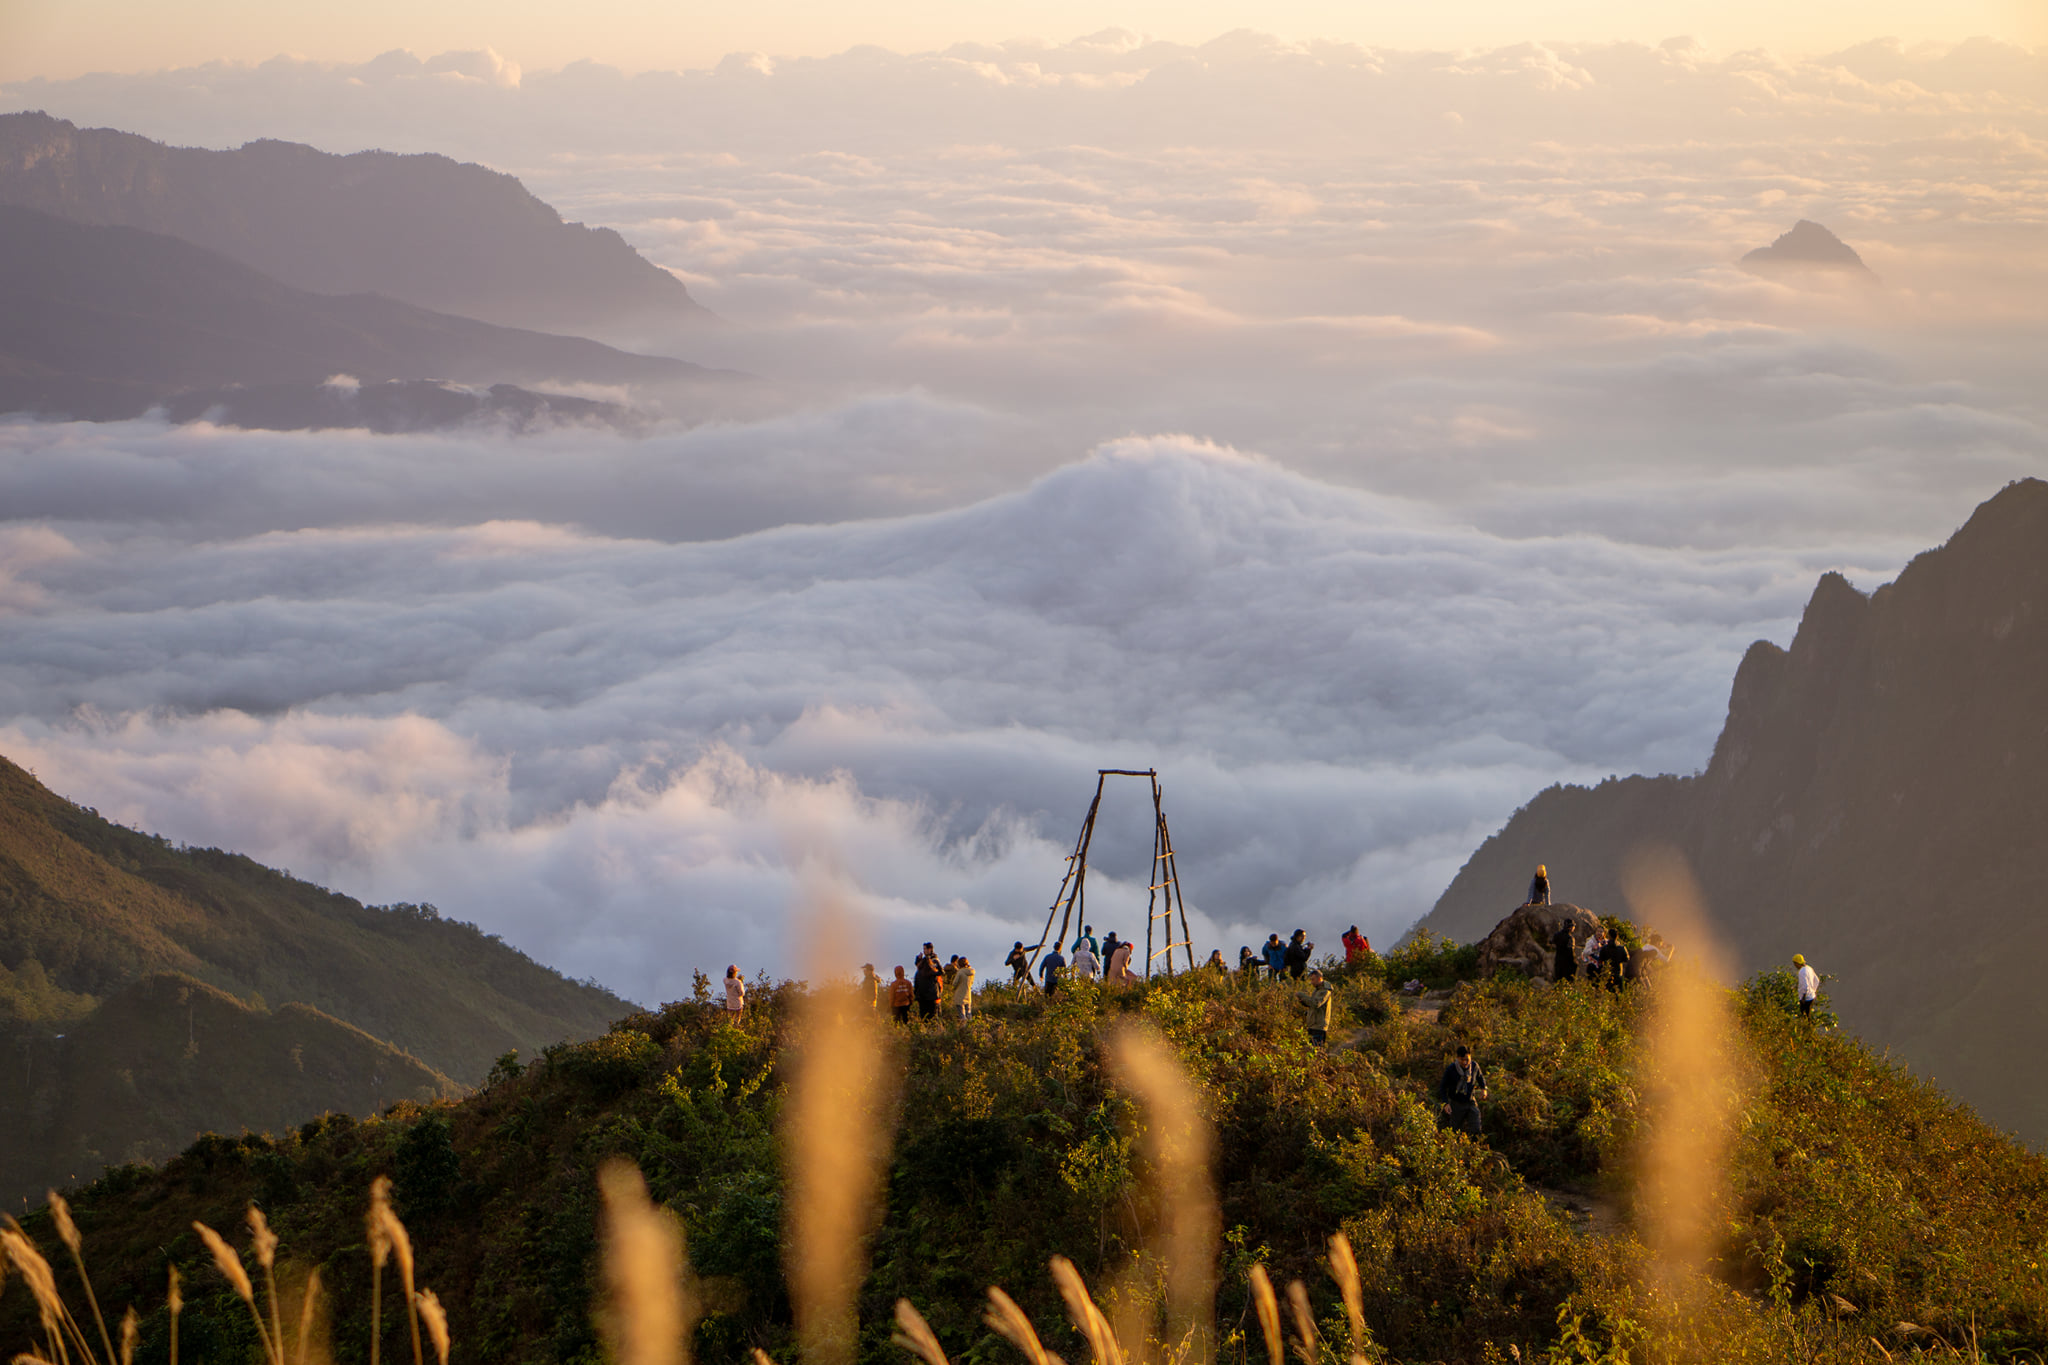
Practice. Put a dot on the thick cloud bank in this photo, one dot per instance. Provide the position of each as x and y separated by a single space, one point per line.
1534 463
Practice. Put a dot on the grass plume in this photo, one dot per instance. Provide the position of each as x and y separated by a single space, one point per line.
1180 1149
1269 1314
651 1314
914 1335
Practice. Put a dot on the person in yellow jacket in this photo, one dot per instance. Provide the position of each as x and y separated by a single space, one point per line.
960 994
1315 1007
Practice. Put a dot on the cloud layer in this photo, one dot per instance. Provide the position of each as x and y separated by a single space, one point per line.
1497 464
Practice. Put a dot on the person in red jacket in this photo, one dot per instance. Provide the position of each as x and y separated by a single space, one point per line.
1357 947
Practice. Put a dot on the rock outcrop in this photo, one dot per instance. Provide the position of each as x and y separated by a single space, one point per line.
1521 942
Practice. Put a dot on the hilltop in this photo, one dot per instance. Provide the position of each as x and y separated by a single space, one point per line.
101 928
1875 801
1859 1205
440 234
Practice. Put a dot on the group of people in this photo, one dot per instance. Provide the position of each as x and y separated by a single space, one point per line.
1088 959
929 986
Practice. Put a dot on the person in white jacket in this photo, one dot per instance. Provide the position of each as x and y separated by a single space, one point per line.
735 994
1809 984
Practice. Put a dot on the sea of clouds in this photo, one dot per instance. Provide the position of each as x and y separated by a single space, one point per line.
1364 439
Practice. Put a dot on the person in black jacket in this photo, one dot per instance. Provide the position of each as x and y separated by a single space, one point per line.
1298 950
1613 961
925 985
1459 1092
1566 966
1019 963
1539 886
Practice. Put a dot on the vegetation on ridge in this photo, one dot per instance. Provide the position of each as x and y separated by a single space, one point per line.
1860 1205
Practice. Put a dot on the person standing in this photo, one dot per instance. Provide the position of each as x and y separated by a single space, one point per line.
1275 953
871 986
1019 963
1459 1092
1613 961
1539 886
1357 947
1119 972
926 985
900 997
1083 964
962 998
1217 965
1247 966
1050 966
1315 1007
1566 964
1088 937
1808 981
735 994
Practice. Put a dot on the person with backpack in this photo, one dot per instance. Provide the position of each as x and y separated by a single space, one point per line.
1459 1092
1315 1008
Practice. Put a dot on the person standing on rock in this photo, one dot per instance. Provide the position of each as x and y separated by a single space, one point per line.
1315 1007
1539 886
1808 981
1566 965
1459 1092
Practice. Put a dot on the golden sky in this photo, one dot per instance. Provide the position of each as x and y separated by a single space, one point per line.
60 38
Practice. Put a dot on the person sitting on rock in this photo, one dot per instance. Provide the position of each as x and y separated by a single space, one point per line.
1539 886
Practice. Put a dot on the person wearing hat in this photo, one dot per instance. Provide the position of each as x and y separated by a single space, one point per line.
871 986
1459 1092
1539 886
1315 1006
1809 984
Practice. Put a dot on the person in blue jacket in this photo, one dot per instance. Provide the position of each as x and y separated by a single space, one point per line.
1275 953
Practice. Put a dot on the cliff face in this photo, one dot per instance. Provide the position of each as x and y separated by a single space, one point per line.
425 230
1878 800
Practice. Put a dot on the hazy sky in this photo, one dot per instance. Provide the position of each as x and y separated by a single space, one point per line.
1366 438
67 37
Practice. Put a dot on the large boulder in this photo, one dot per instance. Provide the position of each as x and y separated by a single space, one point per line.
1521 942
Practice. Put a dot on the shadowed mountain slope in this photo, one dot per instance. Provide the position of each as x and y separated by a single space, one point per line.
1807 247
1877 800
101 322
437 233
168 1057
88 906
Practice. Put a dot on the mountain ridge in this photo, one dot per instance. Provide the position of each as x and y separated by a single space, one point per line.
449 236
1873 801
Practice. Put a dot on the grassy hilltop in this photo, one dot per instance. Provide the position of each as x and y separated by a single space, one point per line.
1862 1207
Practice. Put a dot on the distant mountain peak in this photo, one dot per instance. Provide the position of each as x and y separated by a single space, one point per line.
1808 246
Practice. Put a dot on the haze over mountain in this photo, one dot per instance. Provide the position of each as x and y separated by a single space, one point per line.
1876 801
451 236
104 322
148 992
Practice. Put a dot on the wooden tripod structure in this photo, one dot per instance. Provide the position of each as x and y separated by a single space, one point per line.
1163 901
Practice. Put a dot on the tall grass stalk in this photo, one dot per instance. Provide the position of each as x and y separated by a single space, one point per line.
651 1311
1179 1146
833 1139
